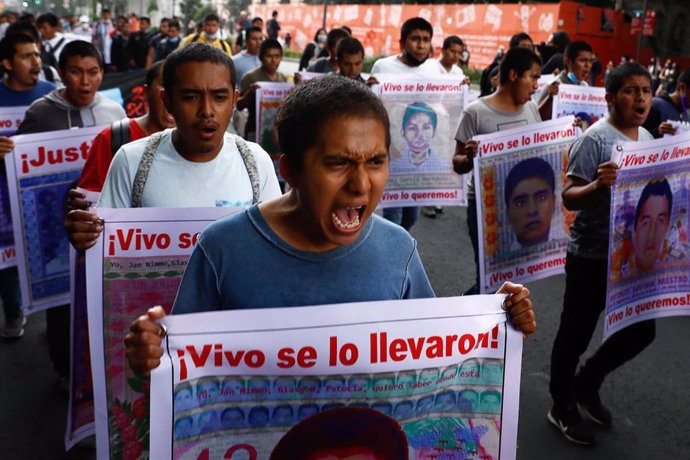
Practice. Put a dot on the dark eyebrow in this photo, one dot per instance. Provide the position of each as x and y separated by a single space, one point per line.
201 91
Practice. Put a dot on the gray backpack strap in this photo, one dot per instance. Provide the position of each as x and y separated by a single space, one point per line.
252 169
143 169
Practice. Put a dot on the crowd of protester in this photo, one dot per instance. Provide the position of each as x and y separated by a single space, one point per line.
56 66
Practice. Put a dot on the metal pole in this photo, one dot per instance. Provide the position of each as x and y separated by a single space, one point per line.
325 11
639 39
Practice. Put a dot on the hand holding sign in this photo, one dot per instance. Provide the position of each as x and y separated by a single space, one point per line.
144 342
6 145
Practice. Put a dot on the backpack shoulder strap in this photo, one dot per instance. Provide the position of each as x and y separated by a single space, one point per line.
252 169
224 45
143 170
53 49
121 134
48 73
195 38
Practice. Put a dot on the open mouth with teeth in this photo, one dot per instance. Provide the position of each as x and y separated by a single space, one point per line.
348 219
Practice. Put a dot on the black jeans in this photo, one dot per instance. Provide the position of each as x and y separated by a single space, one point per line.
473 230
58 324
583 302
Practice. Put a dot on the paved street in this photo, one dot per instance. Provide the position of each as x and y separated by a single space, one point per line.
649 397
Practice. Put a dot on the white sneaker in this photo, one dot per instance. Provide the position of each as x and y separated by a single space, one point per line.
13 329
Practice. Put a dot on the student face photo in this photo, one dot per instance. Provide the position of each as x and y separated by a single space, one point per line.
468 401
208 422
424 405
491 402
258 417
307 410
445 401
183 399
383 407
207 392
403 410
231 388
282 416
650 231
418 132
530 209
184 428
232 418
340 181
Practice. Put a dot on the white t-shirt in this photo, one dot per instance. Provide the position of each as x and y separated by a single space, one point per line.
392 64
176 182
455 70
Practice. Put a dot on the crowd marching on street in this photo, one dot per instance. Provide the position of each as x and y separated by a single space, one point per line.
308 234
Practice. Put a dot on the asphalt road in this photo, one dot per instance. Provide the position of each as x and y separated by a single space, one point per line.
649 396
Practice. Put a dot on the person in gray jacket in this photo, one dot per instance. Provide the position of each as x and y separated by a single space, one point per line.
78 104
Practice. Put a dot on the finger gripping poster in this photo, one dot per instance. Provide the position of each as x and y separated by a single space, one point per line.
649 250
424 114
523 226
400 379
136 264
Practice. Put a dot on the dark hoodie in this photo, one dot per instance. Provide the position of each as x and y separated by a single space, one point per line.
52 112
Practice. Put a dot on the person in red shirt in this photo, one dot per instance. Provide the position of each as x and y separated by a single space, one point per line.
102 149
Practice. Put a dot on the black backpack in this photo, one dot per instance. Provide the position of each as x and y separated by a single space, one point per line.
48 57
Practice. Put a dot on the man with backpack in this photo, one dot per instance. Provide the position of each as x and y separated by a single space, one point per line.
195 164
170 43
210 35
54 40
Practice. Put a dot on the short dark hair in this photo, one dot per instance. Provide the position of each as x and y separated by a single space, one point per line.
334 36
518 59
413 24
346 28
526 169
79 48
256 18
340 428
165 20
48 18
254 29
154 72
575 48
685 78
268 44
416 108
310 105
8 45
655 187
274 14
211 17
617 76
349 45
145 18
25 28
561 40
517 38
452 40
195 52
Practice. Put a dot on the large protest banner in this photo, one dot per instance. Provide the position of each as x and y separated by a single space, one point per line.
137 263
80 418
649 251
445 373
523 226
269 96
587 103
10 119
128 90
40 170
424 114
